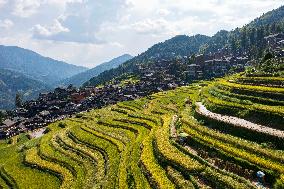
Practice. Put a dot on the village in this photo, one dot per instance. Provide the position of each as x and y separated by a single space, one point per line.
160 76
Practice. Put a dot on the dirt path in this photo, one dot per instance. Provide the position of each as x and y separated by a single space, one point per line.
172 126
37 133
174 134
238 122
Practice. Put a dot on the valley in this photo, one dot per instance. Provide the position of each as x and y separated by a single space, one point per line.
191 112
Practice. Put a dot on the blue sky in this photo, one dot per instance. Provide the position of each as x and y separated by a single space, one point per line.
89 32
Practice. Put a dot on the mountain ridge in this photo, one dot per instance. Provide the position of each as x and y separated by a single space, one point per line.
163 50
35 65
12 82
247 40
82 77
29 73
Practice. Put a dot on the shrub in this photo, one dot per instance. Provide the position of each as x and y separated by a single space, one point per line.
62 125
47 130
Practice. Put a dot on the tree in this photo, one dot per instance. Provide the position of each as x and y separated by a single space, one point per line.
260 37
2 116
244 39
233 44
267 56
252 36
192 58
71 87
278 29
18 100
272 28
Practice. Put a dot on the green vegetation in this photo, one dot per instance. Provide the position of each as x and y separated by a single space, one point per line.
136 144
12 83
253 99
124 79
2 116
248 40
18 100
268 67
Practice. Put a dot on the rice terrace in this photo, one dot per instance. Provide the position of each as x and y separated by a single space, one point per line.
199 105
160 141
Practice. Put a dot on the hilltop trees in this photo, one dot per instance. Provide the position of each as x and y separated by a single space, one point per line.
2 116
268 56
18 100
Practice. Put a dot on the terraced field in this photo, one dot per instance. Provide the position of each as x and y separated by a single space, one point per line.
158 142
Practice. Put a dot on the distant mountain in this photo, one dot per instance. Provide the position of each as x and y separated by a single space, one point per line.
36 66
12 82
82 77
180 45
247 40
26 72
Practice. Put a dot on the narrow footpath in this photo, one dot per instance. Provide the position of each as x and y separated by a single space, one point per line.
238 122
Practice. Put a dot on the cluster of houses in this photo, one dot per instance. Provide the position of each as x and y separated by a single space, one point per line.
153 77
276 44
66 102
212 65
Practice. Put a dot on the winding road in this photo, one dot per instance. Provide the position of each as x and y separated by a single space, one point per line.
238 122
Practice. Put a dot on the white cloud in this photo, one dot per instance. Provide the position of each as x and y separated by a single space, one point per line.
150 26
116 44
82 18
163 12
40 30
75 53
92 31
6 24
2 3
47 31
62 2
26 8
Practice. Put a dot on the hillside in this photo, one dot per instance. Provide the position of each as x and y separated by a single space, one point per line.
274 17
36 66
245 41
79 79
178 46
161 120
12 82
163 141
248 39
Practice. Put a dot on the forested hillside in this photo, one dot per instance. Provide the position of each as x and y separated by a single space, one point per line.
28 73
36 66
247 40
178 46
12 82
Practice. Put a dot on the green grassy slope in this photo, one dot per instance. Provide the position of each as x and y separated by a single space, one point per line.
134 144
